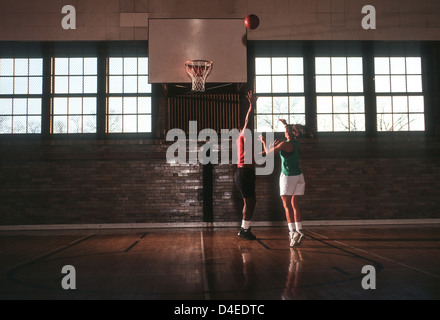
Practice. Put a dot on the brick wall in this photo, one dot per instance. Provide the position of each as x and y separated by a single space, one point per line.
130 182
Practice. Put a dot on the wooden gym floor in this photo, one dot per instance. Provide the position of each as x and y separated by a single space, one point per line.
215 264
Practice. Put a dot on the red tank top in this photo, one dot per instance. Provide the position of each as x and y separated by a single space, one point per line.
245 157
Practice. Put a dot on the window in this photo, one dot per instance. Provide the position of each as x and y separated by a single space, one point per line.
129 95
75 87
399 100
21 88
279 83
340 103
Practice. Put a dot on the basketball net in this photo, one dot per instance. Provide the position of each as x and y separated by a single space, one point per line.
198 71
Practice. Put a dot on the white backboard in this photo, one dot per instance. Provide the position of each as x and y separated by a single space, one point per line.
171 42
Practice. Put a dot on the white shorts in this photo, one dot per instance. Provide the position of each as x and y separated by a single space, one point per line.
292 185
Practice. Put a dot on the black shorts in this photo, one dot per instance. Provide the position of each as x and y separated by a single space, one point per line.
245 181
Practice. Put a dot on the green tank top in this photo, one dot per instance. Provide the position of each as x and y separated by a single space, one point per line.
290 161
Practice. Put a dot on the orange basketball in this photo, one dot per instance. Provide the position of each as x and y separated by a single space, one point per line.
252 22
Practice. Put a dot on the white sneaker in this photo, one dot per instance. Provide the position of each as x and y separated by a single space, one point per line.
292 238
297 238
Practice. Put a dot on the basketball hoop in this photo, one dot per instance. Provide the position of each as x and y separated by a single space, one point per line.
198 71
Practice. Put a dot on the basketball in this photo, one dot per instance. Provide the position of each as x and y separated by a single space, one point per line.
252 22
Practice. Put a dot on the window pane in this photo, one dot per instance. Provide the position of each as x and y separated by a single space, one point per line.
61 84
6 67
115 123
60 124
339 65
21 67
400 104
322 65
384 122
262 66
34 124
264 105
19 124
90 84
36 85
416 104
20 106
400 122
130 84
115 66
324 104
355 84
35 67
130 66
280 105
417 122
279 65
383 104
60 106
357 104
339 84
76 66
89 105
263 84
279 84
298 119
115 84
130 123
381 65
296 84
130 105
5 124
144 123
90 66
323 84
62 66
357 122
398 84
354 65
75 106
340 104
144 86
75 124
76 85
143 66
413 65
383 84
6 85
264 123
297 105
5 107
325 122
34 106
296 66
398 65
341 123
89 124
144 105
414 83
21 85
115 105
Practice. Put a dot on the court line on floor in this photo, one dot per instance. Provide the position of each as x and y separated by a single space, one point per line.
377 255
204 271
10 274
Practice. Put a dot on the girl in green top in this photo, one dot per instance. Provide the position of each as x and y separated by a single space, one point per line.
292 182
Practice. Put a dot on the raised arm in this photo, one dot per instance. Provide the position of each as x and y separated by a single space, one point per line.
252 100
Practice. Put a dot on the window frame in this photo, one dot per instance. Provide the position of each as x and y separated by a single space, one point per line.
28 96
